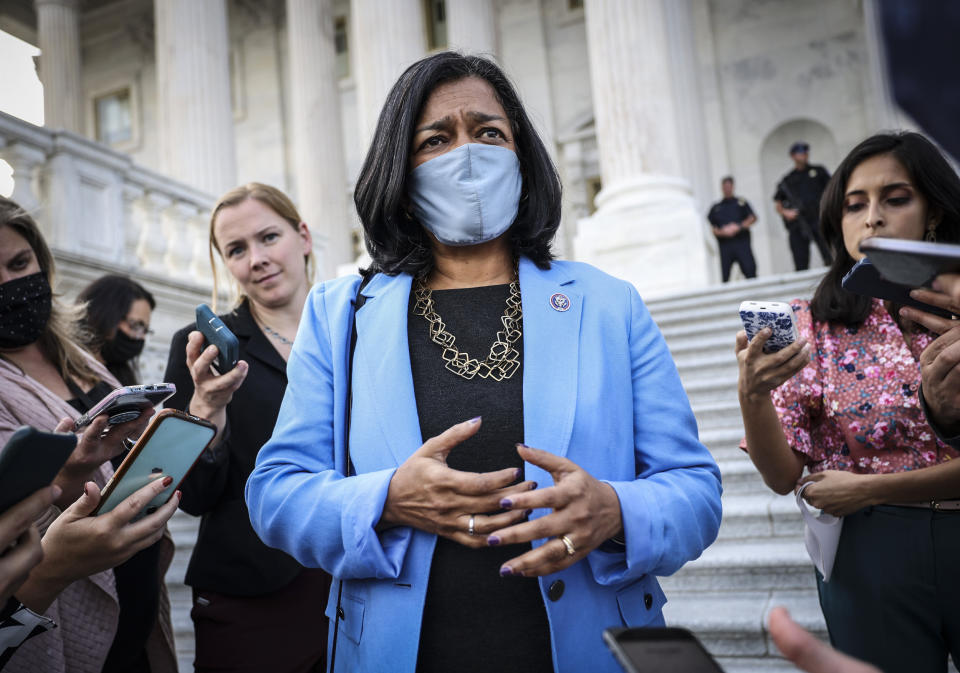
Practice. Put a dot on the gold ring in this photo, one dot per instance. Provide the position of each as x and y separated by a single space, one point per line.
470 525
571 550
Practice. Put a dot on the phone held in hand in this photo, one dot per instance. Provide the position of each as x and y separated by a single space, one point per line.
30 460
171 444
911 263
655 650
216 333
864 278
125 404
776 315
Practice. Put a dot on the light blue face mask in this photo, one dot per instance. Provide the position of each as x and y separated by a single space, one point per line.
468 195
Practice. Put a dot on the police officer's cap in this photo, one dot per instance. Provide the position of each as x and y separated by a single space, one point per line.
799 147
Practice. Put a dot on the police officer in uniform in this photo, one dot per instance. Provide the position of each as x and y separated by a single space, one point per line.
798 203
730 218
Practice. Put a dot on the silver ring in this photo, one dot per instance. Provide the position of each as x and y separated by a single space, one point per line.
470 526
571 550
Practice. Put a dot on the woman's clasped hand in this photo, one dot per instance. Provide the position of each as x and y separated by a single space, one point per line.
427 494
490 509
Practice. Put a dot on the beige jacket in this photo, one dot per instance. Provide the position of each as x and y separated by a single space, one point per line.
87 611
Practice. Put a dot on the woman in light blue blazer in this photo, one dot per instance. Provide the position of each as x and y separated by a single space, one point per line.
522 458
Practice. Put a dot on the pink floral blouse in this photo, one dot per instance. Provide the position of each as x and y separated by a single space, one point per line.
855 407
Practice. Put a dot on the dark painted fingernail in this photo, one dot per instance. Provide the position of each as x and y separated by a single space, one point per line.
167 481
522 446
505 571
518 474
474 420
506 503
533 485
493 540
528 512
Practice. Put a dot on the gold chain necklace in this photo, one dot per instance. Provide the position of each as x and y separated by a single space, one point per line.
503 360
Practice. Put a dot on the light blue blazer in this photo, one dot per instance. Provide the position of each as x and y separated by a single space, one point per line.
599 387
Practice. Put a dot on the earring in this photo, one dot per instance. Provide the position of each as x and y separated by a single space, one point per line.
931 235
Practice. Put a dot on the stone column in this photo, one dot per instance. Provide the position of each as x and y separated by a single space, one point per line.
59 41
472 26
387 37
318 158
647 228
193 94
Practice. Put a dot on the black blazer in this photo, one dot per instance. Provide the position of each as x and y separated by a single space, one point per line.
229 558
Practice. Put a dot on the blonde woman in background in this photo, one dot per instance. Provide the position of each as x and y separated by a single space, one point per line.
247 595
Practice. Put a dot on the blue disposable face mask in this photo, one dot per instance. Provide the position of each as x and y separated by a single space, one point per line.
469 195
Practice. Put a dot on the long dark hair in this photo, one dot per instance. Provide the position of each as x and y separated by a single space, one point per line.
933 178
396 242
108 300
60 341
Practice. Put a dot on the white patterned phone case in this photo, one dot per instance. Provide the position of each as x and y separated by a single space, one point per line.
773 314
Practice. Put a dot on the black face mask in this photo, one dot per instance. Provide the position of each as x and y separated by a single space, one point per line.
24 310
121 348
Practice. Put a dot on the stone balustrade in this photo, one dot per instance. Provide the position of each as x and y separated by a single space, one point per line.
93 202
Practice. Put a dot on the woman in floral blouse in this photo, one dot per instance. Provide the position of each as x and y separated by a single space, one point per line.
845 405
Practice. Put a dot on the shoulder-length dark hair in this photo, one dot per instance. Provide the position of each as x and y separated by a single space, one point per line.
108 300
397 242
933 178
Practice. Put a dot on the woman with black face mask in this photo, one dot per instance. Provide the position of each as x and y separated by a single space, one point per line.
117 322
101 578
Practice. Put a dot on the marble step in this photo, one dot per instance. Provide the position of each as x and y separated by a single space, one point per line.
739 475
760 515
793 284
756 564
702 365
714 389
733 623
719 414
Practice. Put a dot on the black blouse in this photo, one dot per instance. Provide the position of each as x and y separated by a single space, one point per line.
473 619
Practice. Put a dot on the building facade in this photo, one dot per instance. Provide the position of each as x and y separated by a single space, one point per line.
644 104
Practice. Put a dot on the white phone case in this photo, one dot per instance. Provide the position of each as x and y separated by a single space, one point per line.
776 315
171 445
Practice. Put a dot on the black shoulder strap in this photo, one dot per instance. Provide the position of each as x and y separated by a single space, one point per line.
358 302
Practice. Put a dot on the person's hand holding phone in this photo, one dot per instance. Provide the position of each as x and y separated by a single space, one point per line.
96 444
78 545
212 392
762 372
20 539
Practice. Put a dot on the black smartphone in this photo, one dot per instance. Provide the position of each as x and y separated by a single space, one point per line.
169 446
864 278
911 263
30 460
124 404
654 650
216 333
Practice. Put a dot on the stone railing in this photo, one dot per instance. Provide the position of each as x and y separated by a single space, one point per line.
94 202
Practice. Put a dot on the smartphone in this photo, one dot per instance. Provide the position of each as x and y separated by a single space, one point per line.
654 650
776 315
864 278
911 263
30 460
125 404
216 333
171 444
